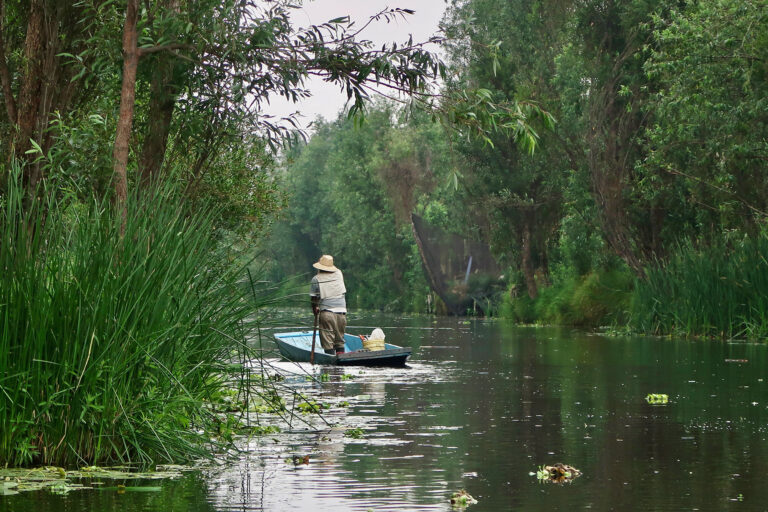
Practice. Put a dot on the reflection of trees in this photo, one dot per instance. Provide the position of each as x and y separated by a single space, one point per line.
514 398
684 453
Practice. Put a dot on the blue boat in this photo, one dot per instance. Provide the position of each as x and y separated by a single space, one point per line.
297 346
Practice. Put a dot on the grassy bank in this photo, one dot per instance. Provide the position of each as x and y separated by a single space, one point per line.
715 292
111 344
718 292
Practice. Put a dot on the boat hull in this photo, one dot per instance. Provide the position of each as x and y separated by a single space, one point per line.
297 346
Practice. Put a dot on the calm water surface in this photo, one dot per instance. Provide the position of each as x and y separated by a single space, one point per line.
481 406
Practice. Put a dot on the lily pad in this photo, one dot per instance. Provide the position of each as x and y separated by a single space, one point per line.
8 488
59 481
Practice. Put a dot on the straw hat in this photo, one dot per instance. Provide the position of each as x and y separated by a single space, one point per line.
325 263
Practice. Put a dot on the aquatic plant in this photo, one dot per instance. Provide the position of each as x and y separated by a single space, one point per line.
59 481
355 433
462 499
310 406
716 291
297 460
116 333
557 473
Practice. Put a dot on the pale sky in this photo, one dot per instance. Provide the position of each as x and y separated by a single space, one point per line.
327 100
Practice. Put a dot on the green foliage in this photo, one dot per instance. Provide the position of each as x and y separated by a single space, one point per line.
115 332
596 299
716 291
310 407
496 46
705 150
351 191
354 433
657 398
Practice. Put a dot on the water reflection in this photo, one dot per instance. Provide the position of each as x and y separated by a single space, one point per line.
481 407
484 405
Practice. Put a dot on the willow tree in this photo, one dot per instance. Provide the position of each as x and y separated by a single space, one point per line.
706 151
235 57
508 50
36 82
203 73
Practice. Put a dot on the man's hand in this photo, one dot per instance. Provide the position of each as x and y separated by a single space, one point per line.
315 310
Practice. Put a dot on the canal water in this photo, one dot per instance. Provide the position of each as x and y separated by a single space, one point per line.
481 407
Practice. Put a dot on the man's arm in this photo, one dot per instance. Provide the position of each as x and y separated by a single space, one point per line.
315 300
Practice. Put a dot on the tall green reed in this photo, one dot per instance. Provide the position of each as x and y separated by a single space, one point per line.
110 343
716 291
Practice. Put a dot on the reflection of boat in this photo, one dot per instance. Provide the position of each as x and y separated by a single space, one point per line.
297 346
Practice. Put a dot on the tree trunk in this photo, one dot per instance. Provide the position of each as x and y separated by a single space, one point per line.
44 84
163 94
127 103
5 75
161 104
527 261
31 85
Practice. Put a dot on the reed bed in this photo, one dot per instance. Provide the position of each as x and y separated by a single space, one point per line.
715 292
112 343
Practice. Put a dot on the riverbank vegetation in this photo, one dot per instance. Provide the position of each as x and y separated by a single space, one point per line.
137 177
112 327
586 163
644 207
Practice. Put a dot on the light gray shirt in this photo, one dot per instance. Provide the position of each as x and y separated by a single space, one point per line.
329 286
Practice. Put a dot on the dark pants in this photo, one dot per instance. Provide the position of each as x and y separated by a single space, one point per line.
331 327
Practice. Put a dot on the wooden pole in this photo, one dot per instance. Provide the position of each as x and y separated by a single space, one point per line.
314 333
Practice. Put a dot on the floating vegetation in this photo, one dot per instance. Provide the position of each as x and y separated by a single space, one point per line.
120 489
557 473
462 499
262 430
657 398
270 402
311 407
297 460
59 481
355 433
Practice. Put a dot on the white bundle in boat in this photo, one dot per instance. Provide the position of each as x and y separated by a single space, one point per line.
375 341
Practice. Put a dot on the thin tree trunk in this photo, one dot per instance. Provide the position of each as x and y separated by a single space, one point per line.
127 102
31 84
5 75
162 100
527 261
50 76
161 104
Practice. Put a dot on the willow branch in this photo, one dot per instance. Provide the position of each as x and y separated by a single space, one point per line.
165 47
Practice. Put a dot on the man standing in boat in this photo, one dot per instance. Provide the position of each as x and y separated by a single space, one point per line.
327 294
